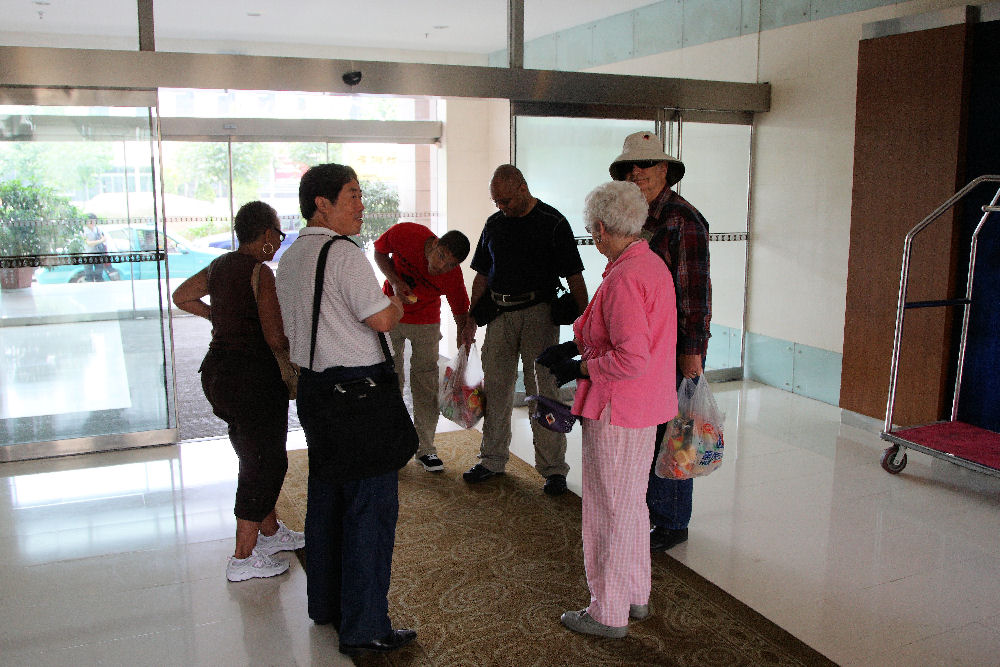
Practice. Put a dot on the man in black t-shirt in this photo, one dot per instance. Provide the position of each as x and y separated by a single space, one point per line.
523 250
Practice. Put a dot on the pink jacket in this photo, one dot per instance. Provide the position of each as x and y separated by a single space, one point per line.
628 336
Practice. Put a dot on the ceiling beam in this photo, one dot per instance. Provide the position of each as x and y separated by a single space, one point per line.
94 68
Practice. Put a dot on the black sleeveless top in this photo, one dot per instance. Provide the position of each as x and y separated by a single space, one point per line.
235 320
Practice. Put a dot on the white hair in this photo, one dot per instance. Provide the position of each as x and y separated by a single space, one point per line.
620 205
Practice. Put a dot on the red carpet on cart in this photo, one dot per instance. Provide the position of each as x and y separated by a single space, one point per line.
963 440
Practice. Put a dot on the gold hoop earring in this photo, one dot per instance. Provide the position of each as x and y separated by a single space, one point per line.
267 248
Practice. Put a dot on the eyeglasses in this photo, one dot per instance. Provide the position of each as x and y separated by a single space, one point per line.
281 234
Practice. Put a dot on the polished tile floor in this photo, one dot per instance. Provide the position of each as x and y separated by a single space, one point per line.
119 558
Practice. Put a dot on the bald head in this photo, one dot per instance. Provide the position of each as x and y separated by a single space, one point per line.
510 191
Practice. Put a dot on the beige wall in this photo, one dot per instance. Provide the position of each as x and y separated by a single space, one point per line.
476 140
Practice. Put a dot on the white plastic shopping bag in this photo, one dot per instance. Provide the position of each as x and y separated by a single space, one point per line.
693 444
461 397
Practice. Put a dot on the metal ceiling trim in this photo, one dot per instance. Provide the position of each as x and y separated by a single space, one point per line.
94 68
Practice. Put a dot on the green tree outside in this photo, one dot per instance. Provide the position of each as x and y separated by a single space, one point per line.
381 202
36 220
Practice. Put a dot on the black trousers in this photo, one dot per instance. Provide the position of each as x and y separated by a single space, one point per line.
250 396
350 535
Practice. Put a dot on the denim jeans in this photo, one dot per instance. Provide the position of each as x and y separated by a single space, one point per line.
669 500
350 535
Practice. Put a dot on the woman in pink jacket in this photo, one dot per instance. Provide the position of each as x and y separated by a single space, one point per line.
626 339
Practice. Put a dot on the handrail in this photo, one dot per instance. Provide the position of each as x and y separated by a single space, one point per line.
904 277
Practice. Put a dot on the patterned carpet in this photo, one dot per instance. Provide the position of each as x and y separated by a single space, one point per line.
483 572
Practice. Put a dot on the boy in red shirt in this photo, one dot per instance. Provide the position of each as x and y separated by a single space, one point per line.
419 267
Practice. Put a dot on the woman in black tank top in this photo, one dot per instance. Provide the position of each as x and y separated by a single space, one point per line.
243 383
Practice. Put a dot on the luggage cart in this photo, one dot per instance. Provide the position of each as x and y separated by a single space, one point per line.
963 444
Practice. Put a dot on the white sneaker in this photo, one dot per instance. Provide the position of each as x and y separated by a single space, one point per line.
283 540
257 565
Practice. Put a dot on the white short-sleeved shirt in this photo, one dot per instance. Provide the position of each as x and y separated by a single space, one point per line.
351 293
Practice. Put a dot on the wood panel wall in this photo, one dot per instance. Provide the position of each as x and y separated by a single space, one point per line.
908 159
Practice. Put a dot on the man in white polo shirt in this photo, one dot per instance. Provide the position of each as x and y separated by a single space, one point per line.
353 491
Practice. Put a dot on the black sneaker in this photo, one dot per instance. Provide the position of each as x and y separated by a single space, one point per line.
431 463
478 473
555 485
661 539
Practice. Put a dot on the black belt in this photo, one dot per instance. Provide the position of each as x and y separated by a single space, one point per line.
515 298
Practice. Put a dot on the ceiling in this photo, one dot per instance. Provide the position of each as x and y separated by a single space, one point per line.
466 26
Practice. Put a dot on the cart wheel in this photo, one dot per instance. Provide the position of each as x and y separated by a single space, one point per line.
892 462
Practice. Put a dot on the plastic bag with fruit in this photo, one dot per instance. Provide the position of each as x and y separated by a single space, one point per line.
461 397
692 444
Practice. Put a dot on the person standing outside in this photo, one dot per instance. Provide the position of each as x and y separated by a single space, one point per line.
678 233
350 520
419 267
523 250
97 242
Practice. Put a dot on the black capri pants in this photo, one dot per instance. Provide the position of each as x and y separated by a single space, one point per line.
247 392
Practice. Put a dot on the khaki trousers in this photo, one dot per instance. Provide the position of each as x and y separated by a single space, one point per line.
424 343
512 335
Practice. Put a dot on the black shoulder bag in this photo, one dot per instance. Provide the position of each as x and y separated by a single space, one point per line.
564 308
356 424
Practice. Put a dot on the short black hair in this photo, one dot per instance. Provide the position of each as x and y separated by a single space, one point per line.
253 219
323 180
456 243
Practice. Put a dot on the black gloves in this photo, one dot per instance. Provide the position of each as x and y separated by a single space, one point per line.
556 354
566 370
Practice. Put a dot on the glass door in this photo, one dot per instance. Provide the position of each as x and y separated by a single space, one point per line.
563 158
84 267
717 180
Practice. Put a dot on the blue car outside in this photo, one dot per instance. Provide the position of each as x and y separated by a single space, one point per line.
227 244
184 260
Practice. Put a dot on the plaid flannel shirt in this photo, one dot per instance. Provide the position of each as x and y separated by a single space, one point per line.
678 233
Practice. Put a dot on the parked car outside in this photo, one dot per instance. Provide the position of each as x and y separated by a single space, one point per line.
225 242
183 259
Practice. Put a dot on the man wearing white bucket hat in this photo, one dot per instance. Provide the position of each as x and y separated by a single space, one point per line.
679 234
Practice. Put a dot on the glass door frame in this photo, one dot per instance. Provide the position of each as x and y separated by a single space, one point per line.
41 97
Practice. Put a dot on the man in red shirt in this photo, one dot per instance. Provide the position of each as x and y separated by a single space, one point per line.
419 267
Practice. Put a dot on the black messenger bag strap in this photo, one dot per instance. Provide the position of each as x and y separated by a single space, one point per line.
317 300
317 294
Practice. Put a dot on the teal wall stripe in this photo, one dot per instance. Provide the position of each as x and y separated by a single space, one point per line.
670 25
801 369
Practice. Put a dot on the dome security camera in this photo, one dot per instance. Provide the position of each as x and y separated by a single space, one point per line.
352 78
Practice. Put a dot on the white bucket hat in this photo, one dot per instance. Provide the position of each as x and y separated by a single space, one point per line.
645 147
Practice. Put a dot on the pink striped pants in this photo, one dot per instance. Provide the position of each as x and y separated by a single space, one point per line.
616 464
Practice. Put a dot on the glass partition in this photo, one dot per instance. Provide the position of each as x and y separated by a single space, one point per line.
716 181
564 158
84 267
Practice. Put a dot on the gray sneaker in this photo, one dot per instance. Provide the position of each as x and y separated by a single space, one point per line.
283 540
257 565
638 612
581 621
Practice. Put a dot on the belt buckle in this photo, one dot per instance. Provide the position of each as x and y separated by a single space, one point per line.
516 298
